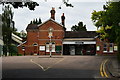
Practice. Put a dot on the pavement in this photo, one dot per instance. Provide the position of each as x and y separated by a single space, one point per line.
113 67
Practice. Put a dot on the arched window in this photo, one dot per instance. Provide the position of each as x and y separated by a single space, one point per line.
35 44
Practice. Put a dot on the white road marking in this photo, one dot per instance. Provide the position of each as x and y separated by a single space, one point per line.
50 66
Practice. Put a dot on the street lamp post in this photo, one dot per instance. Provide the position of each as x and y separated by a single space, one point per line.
23 49
50 43
50 48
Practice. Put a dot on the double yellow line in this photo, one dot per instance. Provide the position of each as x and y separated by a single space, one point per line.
102 69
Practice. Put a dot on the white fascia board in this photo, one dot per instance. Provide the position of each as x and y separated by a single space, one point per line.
13 35
74 42
18 41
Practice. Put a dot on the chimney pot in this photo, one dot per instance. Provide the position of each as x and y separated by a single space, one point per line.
63 19
53 13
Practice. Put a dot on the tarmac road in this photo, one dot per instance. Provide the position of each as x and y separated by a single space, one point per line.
55 67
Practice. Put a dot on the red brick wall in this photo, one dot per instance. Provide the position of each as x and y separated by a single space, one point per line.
40 37
32 37
101 44
58 35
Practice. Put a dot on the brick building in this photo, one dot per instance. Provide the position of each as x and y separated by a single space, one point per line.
105 47
51 37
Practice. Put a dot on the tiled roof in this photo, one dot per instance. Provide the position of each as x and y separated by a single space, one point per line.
32 26
80 34
35 26
50 20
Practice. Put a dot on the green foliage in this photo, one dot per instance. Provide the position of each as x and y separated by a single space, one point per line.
23 34
31 4
5 50
118 56
7 28
79 27
13 49
67 4
110 16
103 31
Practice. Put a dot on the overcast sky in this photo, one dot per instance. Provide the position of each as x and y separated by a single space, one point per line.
80 12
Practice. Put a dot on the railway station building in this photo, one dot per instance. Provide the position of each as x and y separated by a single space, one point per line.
52 37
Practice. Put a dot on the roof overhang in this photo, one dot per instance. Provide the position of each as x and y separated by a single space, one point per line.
16 38
51 20
79 41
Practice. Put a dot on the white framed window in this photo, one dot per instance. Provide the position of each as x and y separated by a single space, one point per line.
105 47
50 47
98 48
111 47
53 47
42 48
47 48
115 48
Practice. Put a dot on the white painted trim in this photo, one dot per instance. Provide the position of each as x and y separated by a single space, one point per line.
110 51
105 51
17 40
82 39
22 43
17 37
84 42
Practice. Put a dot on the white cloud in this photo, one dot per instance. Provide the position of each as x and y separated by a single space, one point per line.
80 12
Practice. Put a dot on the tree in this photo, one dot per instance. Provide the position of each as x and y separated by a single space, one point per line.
23 35
79 27
30 4
110 16
39 22
7 28
36 21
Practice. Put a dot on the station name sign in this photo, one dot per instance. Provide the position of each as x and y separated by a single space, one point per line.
79 42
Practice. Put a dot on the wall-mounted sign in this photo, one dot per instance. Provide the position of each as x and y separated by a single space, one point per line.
42 48
78 42
115 48
98 48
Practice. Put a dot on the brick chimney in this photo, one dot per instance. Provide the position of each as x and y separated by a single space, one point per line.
53 13
63 19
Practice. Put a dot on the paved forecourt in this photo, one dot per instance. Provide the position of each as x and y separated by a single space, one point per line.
54 67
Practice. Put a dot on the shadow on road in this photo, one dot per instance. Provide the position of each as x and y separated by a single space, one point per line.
50 57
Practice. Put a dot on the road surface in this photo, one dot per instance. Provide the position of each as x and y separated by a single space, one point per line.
55 67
